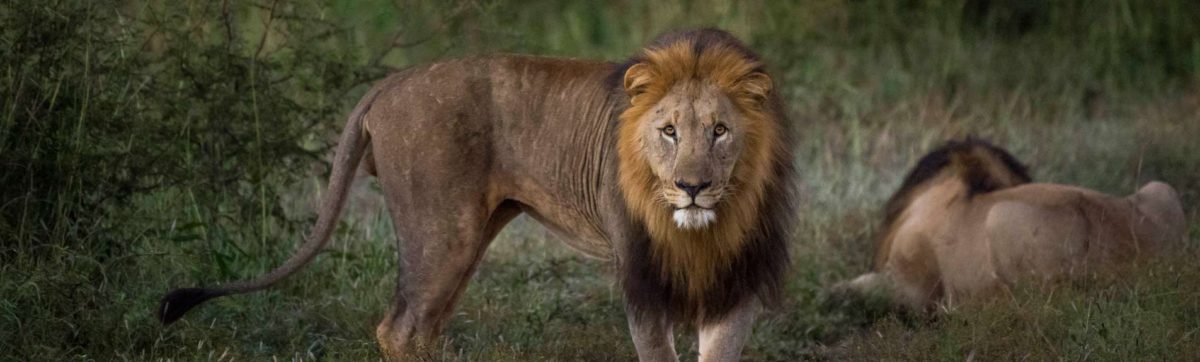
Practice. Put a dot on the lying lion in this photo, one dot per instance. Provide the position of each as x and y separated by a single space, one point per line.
675 166
966 221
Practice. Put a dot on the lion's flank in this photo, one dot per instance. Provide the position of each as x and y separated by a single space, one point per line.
979 165
701 273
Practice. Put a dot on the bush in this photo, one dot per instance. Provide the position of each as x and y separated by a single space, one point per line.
144 121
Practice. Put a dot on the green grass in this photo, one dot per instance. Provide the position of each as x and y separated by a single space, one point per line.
153 145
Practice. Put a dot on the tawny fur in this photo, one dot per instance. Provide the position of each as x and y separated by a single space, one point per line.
971 224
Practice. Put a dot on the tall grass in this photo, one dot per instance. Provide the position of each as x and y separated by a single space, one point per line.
146 145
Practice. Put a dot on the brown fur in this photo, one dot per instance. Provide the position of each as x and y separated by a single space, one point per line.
967 221
461 147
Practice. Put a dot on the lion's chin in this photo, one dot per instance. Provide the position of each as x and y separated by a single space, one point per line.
694 218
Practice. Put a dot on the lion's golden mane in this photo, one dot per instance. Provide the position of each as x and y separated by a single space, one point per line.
707 266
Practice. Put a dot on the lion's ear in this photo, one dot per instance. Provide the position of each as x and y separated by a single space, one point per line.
637 79
755 86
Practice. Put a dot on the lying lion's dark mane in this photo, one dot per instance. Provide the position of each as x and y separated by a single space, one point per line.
758 270
978 179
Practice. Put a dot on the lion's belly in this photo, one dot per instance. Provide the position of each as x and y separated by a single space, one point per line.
575 230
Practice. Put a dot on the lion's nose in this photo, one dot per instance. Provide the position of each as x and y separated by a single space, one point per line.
692 189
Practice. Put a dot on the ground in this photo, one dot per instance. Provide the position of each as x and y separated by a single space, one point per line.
1099 95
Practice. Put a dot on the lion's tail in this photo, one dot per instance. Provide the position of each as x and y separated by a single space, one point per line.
349 152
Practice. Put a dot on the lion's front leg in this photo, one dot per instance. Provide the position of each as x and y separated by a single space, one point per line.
723 340
652 336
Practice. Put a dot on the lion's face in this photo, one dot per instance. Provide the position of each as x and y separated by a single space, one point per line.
693 120
692 139
698 147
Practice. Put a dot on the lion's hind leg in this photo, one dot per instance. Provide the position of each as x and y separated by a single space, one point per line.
439 253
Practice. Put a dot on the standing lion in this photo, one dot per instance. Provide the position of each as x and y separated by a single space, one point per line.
675 165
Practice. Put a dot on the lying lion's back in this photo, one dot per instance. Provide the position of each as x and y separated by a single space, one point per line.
1089 228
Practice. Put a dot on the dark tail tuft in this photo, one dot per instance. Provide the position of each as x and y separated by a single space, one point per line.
179 301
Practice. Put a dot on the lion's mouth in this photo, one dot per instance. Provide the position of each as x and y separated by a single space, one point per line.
693 217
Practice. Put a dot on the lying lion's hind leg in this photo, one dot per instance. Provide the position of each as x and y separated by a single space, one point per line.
869 291
437 264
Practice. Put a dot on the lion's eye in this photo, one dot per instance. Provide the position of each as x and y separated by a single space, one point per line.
669 131
720 130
